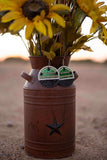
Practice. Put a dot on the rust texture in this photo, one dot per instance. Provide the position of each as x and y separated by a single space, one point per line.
49 116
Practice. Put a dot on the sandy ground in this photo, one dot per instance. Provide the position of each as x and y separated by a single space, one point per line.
91 112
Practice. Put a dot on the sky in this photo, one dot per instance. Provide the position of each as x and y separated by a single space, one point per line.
12 46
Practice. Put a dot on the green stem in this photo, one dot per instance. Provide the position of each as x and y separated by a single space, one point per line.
23 42
39 44
92 38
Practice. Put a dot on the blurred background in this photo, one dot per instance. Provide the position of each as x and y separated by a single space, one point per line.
91 99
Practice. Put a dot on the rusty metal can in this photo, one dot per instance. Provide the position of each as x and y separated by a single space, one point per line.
49 117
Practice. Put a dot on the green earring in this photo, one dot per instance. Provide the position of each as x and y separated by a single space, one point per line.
48 76
66 76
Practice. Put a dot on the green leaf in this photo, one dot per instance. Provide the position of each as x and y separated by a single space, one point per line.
79 44
94 27
69 34
84 47
50 55
44 38
78 18
103 34
83 39
55 46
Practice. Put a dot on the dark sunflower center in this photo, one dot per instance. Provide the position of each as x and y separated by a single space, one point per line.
32 8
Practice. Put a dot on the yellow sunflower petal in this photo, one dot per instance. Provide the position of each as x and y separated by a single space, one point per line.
103 9
8 5
57 7
17 24
10 16
93 15
42 14
48 24
102 19
99 4
39 25
94 27
20 2
29 30
49 1
84 5
12 4
59 20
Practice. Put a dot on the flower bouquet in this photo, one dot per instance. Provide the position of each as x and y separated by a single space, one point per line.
53 27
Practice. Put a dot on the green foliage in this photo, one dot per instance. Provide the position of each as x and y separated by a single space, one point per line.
68 40
103 35
79 44
79 17
51 54
3 26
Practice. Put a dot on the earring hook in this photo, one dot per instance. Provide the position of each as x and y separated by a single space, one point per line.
49 62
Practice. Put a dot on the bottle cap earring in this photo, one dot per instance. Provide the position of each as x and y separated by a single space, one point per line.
66 76
48 76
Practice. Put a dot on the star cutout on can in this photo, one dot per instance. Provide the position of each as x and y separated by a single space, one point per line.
54 127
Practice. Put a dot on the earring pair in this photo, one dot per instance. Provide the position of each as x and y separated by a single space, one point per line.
50 76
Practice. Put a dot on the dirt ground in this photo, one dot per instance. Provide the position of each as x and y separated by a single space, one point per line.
91 111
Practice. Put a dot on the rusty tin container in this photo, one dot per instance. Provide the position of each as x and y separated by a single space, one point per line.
49 114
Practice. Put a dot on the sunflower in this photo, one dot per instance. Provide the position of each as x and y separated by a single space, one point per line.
95 11
34 14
